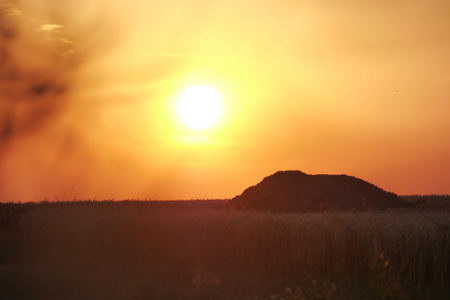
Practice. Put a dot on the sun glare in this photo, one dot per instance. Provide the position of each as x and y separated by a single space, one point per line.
199 107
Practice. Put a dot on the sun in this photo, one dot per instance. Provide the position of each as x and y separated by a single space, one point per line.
199 106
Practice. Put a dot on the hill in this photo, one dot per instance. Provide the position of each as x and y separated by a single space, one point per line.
295 191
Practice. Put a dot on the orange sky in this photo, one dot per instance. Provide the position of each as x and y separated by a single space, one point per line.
338 87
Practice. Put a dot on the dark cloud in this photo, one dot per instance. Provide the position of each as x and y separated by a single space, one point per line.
37 74
35 78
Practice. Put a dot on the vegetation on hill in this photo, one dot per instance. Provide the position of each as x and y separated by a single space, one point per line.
295 191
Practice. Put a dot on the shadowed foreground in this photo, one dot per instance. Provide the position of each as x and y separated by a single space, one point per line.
188 250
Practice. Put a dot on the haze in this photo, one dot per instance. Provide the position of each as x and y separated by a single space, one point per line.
88 95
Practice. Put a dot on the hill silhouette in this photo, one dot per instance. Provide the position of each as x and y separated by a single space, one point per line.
295 191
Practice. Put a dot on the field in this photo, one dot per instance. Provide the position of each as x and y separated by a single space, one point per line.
193 250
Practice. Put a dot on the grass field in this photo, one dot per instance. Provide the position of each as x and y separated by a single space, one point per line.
192 250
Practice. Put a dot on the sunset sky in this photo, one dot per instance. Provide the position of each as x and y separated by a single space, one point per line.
332 87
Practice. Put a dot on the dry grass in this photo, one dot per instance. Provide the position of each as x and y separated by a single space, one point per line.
189 250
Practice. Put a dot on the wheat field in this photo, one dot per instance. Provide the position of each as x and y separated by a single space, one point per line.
194 250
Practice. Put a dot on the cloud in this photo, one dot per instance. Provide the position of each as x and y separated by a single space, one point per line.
10 9
59 71
34 82
49 27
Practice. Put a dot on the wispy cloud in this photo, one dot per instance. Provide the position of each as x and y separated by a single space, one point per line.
10 9
49 27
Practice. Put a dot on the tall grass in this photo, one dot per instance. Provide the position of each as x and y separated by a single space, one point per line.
389 252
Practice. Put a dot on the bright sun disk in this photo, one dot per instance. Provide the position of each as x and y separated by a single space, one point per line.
199 107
